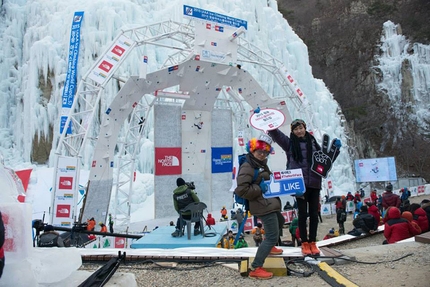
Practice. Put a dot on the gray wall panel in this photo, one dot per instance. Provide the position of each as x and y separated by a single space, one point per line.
167 133
222 136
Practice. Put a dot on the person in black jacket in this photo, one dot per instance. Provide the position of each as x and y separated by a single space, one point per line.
299 147
364 223
2 238
182 196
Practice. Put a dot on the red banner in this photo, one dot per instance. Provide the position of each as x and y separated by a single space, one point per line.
24 175
168 161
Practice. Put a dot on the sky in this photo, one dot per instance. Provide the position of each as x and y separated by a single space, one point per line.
35 38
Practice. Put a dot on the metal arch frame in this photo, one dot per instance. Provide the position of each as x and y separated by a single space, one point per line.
89 94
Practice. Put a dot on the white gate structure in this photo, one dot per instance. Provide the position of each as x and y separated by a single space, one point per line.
201 97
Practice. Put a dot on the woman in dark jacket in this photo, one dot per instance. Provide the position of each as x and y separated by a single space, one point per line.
251 186
299 148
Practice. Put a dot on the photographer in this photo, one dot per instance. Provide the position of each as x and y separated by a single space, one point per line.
50 238
182 196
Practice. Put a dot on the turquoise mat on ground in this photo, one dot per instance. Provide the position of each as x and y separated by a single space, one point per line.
162 238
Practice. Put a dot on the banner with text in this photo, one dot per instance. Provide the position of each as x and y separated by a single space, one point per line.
168 160
222 159
70 84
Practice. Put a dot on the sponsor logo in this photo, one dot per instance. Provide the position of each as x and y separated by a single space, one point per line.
189 11
105 66
70 167
63 210
77 18
169 160
117 50
65 182
226 157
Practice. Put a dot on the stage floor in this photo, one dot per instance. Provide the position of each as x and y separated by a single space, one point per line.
162 238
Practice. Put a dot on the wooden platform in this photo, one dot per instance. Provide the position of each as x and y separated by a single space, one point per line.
423 238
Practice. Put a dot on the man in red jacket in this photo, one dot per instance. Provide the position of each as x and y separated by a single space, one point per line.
389 198
396 228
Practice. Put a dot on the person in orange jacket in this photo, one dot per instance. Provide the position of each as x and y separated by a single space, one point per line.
224 213
103 227
91 224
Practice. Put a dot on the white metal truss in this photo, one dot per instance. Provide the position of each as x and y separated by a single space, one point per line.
84 111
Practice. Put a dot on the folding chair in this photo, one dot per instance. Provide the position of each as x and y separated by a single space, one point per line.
195 211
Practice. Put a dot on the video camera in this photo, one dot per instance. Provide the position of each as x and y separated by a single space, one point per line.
191 185
38 225
77 226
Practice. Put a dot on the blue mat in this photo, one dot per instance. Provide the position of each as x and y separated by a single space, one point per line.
162 238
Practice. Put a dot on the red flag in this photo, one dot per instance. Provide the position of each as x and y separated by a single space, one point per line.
24 175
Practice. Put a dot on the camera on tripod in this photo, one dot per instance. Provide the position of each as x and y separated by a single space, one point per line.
77 226
38 225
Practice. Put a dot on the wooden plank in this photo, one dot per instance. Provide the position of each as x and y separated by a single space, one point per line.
328 252
423 238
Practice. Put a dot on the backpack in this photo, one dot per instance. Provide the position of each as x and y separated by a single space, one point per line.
49 240
405 194
237 198
258 237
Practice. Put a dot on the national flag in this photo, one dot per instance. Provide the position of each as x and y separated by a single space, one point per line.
173 68
219 28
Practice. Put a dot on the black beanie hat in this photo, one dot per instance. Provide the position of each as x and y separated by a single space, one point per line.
180 181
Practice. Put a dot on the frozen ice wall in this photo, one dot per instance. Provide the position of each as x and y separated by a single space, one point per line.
35 40
26 266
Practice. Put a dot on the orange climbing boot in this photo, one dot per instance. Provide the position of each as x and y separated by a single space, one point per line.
260 273
314 248
276 251
306 249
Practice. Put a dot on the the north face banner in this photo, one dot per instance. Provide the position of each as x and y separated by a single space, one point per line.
168 161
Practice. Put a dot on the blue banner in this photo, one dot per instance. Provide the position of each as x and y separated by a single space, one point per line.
214 17
72 69
222 159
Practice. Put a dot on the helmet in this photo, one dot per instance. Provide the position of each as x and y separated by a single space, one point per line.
100 223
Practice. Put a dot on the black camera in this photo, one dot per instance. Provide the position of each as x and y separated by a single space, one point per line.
191 185
77 226
38 225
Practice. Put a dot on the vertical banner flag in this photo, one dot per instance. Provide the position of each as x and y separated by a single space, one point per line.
71 77
65 192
